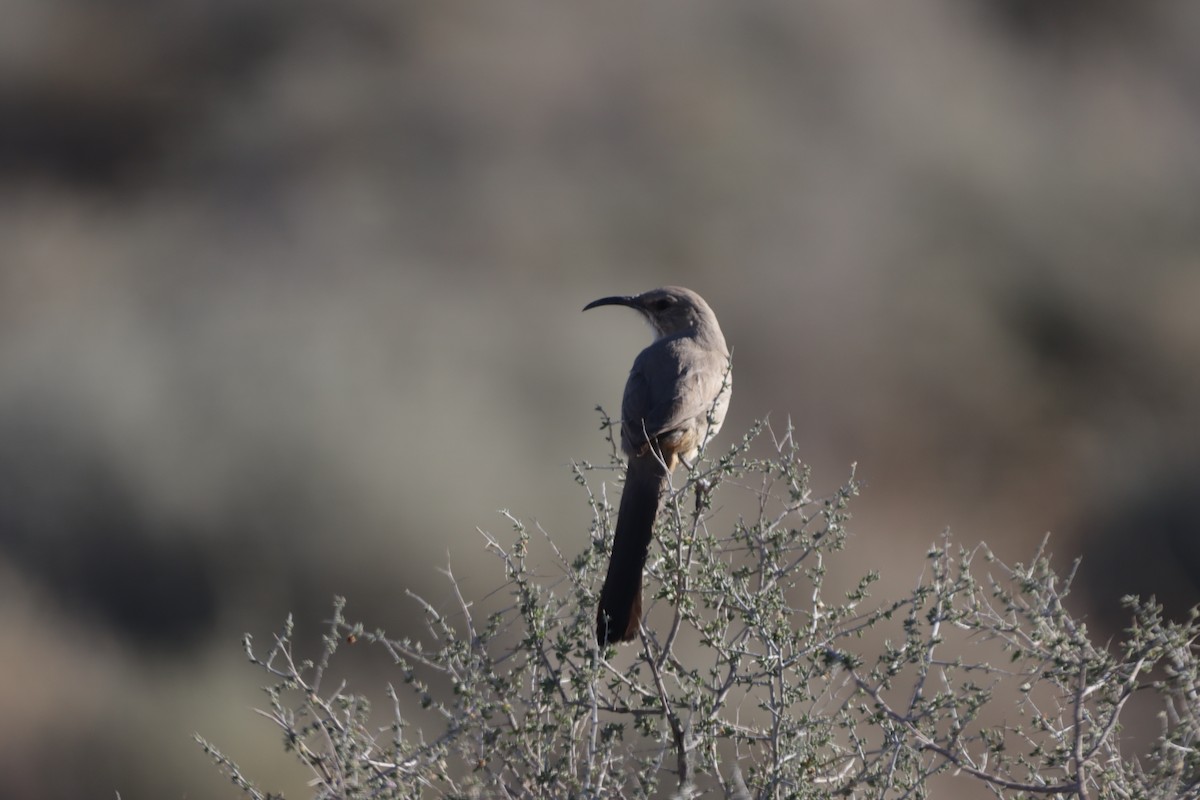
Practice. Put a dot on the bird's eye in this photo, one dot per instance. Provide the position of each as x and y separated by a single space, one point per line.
662 305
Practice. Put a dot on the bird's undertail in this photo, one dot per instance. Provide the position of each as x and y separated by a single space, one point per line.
620 609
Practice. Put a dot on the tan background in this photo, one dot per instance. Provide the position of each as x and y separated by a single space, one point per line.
290 294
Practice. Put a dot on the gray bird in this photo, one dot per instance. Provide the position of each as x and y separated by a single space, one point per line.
675 400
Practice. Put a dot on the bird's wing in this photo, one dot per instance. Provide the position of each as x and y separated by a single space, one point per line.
672 383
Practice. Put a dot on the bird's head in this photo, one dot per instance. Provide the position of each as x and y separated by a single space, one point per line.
669 310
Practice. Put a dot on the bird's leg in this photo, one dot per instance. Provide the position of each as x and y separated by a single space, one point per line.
702 488
703 485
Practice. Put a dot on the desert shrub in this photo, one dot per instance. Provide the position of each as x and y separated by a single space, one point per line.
755 677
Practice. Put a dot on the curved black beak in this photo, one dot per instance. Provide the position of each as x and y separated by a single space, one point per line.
616 300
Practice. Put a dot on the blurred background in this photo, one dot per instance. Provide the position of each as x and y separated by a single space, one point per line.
290 303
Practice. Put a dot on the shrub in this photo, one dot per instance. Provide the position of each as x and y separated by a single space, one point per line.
756 679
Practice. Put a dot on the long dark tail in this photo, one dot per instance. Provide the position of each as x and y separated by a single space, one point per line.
620 608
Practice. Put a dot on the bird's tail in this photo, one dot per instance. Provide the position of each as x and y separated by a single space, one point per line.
620 609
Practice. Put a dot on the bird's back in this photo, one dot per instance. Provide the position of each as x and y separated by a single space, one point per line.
676 387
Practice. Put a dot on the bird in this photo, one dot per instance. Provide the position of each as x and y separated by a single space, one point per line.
675 400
